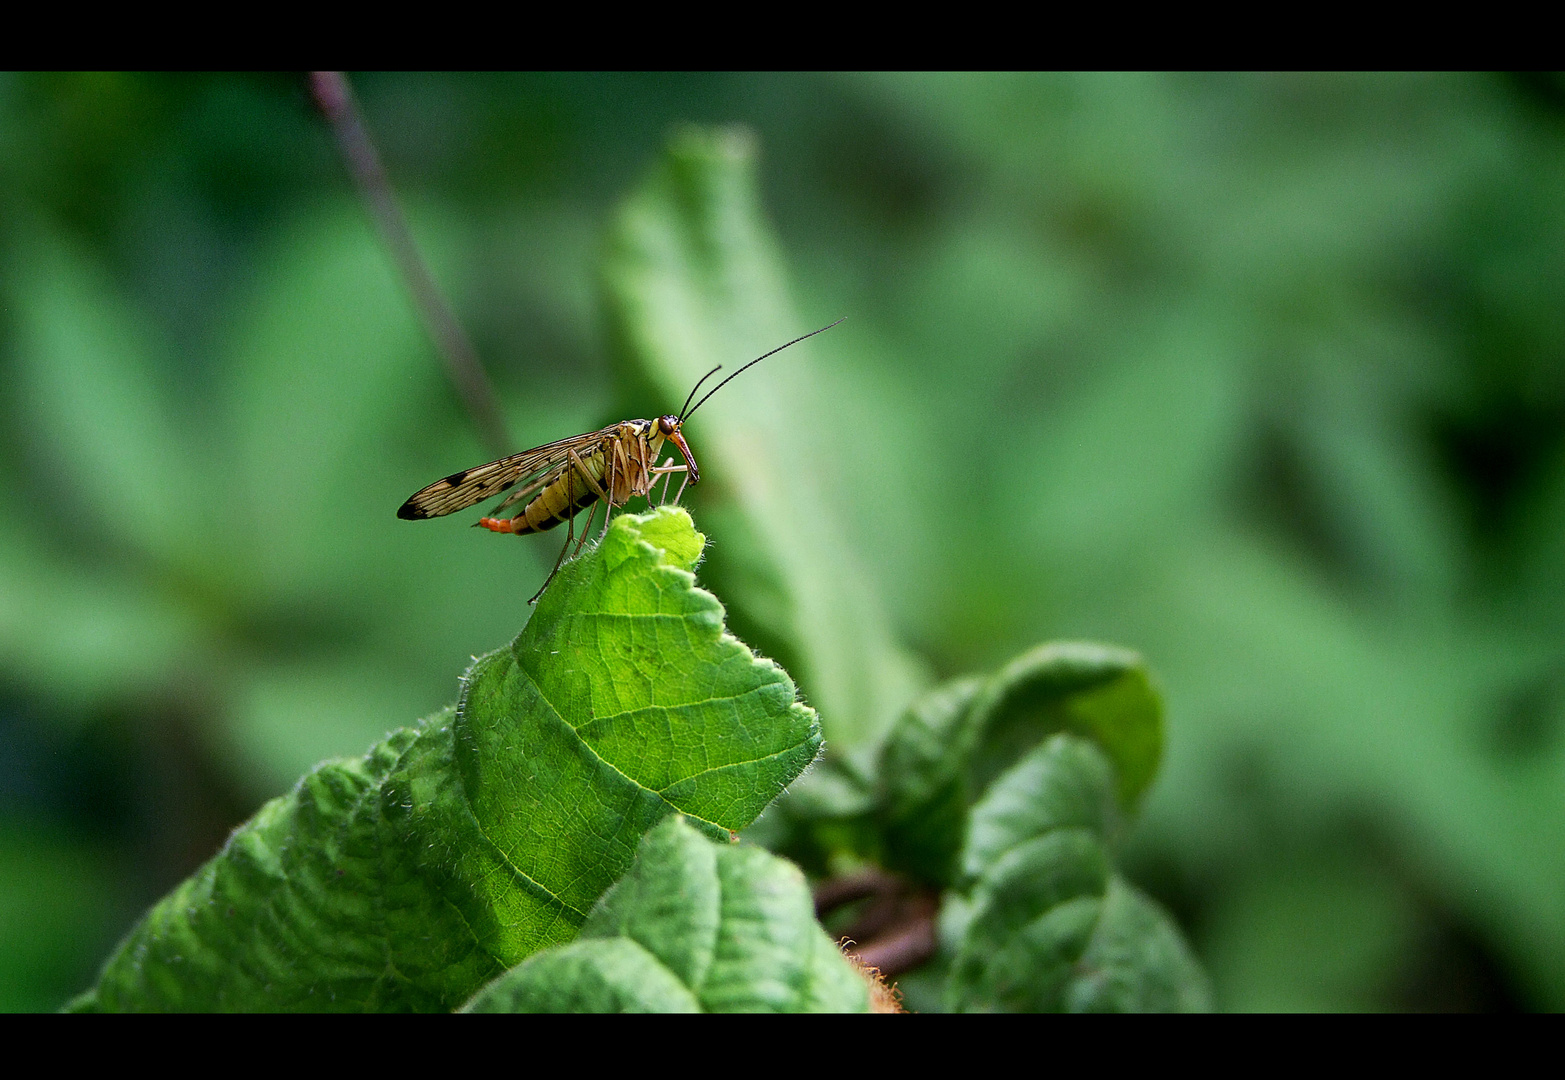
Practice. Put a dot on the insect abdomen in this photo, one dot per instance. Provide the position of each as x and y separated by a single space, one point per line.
568 495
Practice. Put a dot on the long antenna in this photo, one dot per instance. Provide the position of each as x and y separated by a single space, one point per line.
696 387
750 365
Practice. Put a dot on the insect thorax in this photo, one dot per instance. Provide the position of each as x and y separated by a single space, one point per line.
638 443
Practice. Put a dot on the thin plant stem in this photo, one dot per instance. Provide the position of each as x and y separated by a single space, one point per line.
466 372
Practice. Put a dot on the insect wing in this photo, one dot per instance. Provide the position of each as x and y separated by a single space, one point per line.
470 486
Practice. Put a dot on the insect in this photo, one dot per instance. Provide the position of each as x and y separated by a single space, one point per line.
560 479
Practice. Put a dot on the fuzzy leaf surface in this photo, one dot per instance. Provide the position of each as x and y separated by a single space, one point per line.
694 926
407 879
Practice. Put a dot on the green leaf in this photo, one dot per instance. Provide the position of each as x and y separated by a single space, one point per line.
923 787
694 279
406 879
1136 961
1049 926
692 927
1098 691
1065 783
604 975
948 747
1007 791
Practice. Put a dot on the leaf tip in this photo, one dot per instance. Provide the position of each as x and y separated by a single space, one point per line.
669 529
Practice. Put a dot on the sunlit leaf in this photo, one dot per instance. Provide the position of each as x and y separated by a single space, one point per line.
453 850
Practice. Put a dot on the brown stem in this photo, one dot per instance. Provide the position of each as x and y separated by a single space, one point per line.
895 932
463 368
908 947
835 892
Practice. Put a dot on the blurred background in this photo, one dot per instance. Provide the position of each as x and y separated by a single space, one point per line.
1262 376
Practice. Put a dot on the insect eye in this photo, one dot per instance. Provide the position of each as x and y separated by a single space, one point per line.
667 424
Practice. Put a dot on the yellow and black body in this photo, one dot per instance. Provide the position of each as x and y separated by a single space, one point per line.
560 479
621 466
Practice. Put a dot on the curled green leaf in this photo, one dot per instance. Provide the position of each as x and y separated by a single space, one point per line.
694 926
407 879
949 746
1098 691
1048 925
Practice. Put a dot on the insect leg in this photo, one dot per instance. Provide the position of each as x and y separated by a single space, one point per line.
646 471
570 524
666 470
663 477
587 528
587 476
570 521
610 476
608 504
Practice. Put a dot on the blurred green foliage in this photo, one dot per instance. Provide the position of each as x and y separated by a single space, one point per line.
1261 376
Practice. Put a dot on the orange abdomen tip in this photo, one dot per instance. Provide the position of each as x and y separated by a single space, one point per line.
496 524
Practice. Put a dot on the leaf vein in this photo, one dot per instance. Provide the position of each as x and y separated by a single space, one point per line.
560 717
597 720
731 765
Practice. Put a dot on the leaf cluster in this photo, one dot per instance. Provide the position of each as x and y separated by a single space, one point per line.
1006 794
455 849
510 847
508 850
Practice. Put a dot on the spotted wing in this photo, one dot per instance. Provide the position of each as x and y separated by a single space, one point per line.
470 486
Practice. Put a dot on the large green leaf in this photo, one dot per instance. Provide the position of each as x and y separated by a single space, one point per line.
694 279
1048 926
694 927
453 850
947 748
